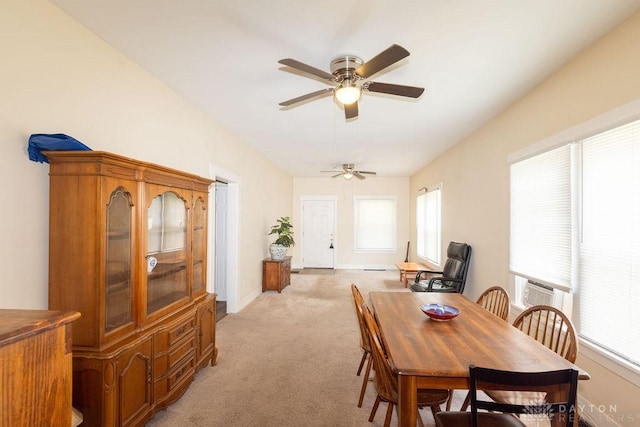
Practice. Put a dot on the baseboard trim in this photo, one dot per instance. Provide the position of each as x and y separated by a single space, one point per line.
594 416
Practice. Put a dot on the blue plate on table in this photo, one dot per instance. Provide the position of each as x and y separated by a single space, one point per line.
440 312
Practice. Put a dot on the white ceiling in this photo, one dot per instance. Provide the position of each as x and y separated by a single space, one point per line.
473 57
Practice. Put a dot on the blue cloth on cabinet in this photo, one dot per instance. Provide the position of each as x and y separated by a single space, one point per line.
39 142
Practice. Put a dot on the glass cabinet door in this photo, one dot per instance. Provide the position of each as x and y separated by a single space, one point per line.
199 245
166 251
118 284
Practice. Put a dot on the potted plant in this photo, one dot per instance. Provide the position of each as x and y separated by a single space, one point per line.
284 230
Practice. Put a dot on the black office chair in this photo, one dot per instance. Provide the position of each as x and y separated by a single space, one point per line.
501 415
454 275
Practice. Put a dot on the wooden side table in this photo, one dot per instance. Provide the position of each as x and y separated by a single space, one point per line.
276 274
409 268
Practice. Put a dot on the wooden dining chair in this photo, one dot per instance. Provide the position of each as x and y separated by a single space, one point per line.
364 341
552 328
495 300
501 414
386 382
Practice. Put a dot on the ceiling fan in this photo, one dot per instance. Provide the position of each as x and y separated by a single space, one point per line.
349 76
349 171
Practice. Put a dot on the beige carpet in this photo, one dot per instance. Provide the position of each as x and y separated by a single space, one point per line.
289 359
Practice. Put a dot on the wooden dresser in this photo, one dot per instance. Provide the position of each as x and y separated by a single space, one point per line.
35 368
276 274
128 250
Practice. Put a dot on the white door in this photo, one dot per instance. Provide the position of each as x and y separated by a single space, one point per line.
221 241
318 233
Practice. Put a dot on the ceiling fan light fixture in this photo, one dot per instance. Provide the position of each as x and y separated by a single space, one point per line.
347 175
348 92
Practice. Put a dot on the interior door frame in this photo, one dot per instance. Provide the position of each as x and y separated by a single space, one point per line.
333 199
220 232
233 226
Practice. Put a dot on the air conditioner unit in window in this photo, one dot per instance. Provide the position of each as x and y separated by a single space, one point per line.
538 294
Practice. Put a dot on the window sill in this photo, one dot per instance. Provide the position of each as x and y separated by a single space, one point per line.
429 263
615 364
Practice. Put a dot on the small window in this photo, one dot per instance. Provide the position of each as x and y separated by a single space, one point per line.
375 224
428 221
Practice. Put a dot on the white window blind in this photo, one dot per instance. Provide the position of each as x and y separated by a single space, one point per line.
375 223
541 227
609 254
428 220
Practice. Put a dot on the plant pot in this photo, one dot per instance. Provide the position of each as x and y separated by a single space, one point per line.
278 252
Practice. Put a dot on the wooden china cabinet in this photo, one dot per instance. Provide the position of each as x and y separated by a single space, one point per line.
128 249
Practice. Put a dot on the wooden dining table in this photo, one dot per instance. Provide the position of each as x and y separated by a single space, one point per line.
425 353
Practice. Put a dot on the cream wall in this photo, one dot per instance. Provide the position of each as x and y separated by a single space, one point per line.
476 179
344 191
56 77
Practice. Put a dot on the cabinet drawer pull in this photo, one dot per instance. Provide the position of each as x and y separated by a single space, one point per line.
181 330
181 372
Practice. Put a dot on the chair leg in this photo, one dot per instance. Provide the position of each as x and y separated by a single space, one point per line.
435 409
387 419
364 356
449 400
365 380
465 404
374 409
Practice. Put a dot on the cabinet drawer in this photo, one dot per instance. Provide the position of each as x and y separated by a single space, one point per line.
182 373
168 337
167 360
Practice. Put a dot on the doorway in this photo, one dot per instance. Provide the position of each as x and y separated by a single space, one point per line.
318 232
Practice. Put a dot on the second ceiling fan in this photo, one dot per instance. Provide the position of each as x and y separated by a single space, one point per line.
349 171
349 76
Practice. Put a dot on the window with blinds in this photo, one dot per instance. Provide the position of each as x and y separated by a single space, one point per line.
609 250
428 221
575 225
541 218
375 224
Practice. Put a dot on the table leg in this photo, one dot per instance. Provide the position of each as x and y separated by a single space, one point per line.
559 421
407 401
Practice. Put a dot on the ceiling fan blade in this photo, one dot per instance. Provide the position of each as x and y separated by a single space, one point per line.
358 175
387 57
367 172
316 94
307 69
351 110
335 176
391 89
